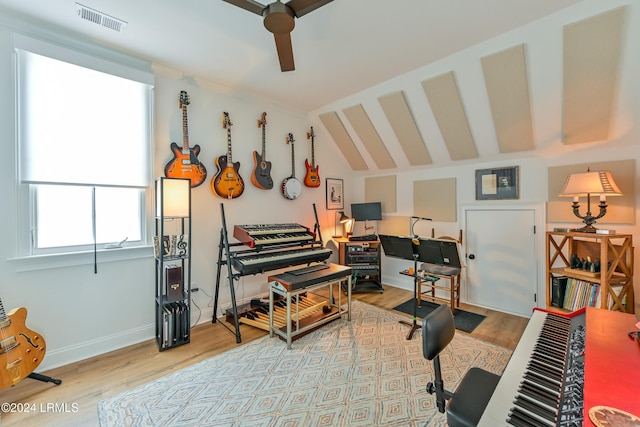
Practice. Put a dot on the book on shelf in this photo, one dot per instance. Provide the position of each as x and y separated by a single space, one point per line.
580 293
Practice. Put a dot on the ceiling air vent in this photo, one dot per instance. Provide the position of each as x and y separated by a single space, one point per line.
100 18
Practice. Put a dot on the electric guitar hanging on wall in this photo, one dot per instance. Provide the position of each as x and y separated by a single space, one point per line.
312 179
291 187
21 349
227 183
185 163
261 175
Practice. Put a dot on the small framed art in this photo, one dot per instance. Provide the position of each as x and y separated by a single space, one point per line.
335 194
497 183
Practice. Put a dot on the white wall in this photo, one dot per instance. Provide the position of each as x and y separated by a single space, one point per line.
543 41
81 314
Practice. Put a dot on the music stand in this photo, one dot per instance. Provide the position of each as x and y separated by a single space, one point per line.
405 248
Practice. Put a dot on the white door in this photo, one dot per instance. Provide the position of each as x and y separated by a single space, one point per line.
501 259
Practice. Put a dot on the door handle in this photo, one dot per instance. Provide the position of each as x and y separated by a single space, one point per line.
472 256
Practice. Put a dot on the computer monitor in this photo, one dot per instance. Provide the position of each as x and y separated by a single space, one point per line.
366 211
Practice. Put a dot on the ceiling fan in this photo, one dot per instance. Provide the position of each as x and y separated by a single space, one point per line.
279 19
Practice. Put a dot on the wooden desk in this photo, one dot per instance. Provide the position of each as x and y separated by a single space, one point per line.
292 283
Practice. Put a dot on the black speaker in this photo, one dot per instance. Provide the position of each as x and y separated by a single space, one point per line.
173 283
558 286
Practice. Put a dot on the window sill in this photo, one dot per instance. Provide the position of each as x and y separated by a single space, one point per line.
43 262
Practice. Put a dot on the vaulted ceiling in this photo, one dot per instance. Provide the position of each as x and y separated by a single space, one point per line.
346 47
343 47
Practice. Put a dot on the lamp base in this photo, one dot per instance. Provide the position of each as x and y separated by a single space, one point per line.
586 229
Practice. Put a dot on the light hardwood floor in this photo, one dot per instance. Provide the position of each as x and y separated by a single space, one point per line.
85 383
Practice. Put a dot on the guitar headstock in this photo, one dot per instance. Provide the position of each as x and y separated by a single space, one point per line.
290 138
184 99
226 121
263 120
310 134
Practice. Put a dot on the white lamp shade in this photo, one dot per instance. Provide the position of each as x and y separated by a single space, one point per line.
173 197
593 183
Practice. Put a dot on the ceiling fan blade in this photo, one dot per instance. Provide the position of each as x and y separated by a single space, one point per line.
250 5
302 7
285 51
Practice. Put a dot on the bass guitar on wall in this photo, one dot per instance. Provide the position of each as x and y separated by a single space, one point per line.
261 176
311 179
21 349
185 163
227 183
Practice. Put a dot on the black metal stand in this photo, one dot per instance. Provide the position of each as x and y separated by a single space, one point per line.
44 378
414 325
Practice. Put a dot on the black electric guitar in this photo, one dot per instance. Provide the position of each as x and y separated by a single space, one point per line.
311 179
21 349
185 163
227 183
261 176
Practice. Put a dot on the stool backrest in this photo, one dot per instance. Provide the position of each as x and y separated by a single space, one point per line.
438 329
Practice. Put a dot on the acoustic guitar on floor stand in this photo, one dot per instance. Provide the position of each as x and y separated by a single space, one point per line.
21 349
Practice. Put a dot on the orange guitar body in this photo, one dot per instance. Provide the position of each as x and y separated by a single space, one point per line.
186 165
311 179
21 349
227 183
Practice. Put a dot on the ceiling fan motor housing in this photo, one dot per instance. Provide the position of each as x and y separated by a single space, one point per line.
278 18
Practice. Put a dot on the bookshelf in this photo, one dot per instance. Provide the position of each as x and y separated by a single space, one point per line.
609 288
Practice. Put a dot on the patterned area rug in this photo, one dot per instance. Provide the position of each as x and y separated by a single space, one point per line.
358 373
464 320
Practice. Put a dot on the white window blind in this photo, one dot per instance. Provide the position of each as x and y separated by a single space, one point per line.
93 118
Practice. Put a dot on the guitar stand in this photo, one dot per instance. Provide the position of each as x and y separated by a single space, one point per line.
414 325
44 378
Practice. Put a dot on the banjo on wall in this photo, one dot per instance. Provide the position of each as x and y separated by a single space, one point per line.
291 187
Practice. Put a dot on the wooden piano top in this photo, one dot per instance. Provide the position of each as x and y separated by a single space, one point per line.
612 362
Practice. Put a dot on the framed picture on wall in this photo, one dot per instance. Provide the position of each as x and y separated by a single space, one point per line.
497 183
335 193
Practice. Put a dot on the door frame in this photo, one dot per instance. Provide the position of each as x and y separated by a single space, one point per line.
540 214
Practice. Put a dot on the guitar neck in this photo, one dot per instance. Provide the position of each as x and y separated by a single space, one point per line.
185 130
312 136
229 159
293 161
3 315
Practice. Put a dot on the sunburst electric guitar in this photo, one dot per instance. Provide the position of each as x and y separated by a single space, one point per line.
21 349
311 179
227 183
261 175
185 163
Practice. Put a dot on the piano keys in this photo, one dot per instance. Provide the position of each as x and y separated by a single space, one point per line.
564 365
260 262
256 235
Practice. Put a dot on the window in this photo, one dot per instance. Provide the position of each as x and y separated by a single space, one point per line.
84 138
